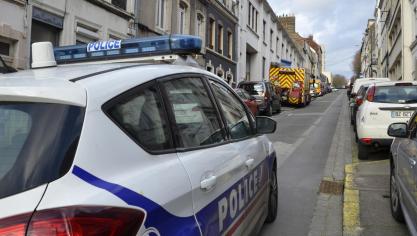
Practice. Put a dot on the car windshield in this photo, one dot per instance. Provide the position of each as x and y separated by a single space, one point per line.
396 94
37 144
253 89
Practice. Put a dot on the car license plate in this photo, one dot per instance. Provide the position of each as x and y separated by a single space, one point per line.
401 114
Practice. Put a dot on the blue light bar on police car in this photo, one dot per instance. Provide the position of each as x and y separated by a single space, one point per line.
128 48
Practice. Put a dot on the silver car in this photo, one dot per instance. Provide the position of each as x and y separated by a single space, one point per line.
404 172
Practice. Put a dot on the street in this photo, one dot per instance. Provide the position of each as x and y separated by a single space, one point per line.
304 136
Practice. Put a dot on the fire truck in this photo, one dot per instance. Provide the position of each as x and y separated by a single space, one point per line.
292 83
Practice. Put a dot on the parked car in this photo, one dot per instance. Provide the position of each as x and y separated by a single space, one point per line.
357 102
249 100
403 179
359 82
4 68
94 149
267 99
384 103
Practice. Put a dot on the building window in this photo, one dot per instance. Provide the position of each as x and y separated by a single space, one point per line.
4 48
264 31
277 46
220 72
270 39
200 29
209 68
263 67
220 39
119 3
230 44
212 32
42 32
182 17
160 11
249 13
252 17
86 34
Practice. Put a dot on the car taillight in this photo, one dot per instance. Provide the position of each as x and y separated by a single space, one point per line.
14 226
76 221
371 94
366 140
359 101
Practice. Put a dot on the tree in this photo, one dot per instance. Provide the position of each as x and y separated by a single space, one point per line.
357 64
339 81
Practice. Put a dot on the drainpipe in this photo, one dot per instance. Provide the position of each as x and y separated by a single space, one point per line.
136 13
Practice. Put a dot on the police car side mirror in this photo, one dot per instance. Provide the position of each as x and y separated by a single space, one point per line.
398 130
265 125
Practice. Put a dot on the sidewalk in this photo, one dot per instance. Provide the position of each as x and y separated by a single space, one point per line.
367 198
354 195
327 218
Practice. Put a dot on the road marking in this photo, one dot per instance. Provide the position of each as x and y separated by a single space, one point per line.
292 147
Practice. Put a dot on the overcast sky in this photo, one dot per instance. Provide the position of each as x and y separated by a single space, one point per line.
337 24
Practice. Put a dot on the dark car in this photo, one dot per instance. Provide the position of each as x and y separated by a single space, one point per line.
403 180
249 100
267 99
356 102
5 68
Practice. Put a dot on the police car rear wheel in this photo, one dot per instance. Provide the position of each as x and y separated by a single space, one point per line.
273 198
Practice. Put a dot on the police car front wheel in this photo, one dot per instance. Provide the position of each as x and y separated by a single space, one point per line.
273 198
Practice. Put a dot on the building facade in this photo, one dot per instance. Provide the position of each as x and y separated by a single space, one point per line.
263 40
62 23
369 51
14 35
413 46
311 52
395 26
221 57
162 17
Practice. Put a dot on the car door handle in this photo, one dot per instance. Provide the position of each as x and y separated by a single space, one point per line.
249 163
412 162
208 183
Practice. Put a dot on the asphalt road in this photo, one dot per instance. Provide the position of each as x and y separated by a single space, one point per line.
302 143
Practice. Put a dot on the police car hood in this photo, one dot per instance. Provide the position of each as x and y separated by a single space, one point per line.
51 85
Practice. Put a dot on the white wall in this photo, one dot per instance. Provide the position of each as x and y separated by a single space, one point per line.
263 49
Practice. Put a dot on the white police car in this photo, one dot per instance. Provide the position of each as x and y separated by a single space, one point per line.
110 148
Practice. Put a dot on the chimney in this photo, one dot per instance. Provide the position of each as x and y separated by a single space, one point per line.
311 37
288 22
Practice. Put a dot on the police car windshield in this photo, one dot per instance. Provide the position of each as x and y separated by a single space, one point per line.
36 139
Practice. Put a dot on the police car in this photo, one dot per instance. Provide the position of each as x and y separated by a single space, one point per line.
123 138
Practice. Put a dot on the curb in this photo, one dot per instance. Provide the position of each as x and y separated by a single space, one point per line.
351 201
351 207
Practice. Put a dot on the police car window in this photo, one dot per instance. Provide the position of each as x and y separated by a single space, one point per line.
238 122
195 115
142 116
35 146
